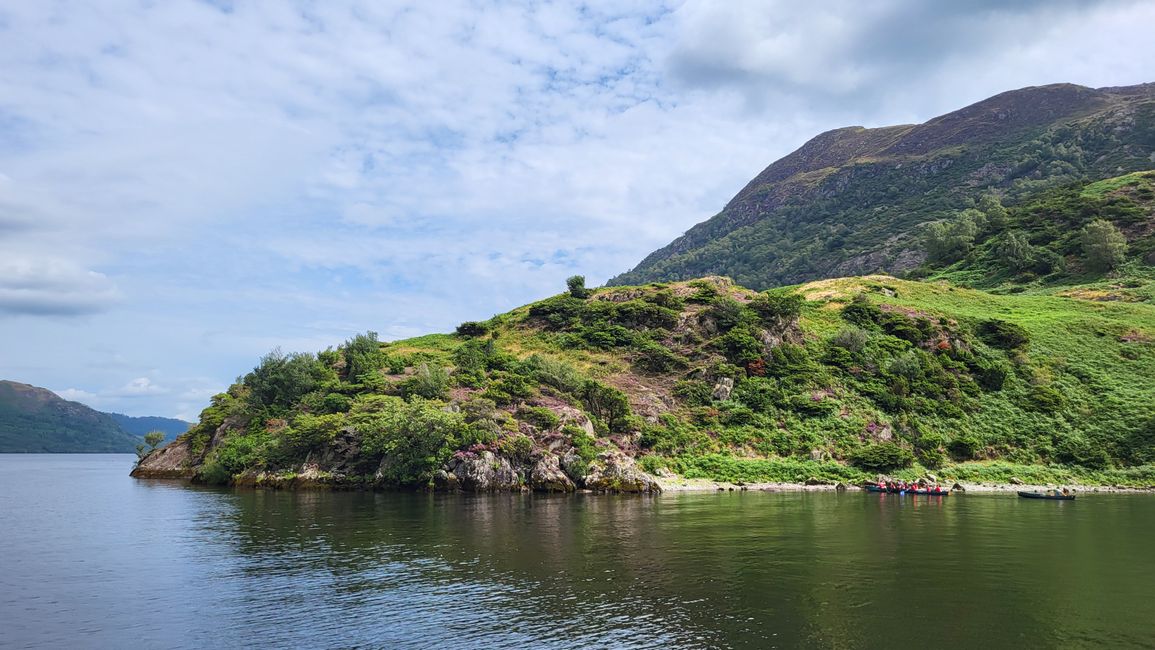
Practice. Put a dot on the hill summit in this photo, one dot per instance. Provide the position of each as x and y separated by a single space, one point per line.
856 200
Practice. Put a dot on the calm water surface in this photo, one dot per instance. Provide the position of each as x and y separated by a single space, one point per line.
92 558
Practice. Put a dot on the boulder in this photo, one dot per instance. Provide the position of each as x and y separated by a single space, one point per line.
486 472
814 480
547 476
957 487
445 481
1016 480
931 477
722 389
817 455
616 472
840 486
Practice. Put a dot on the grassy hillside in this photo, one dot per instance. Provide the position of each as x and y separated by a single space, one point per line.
36 420
855 201
831 380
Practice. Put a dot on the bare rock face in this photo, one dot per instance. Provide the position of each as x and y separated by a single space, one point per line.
616 472
546 475
570 415
170 461
485 472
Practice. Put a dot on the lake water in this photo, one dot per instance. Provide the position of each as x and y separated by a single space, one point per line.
92 558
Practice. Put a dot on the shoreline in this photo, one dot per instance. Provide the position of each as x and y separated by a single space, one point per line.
674 485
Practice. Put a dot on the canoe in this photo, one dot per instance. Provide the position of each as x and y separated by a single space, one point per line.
1052 497
878 488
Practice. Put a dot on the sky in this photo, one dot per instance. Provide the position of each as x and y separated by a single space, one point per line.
186 185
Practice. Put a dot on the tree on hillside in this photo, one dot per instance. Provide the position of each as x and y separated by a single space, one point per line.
1015 251
1104 247
991 206
577 286
951 240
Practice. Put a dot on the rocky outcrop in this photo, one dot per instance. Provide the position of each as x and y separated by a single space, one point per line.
172 461
546 475
484 472
616 472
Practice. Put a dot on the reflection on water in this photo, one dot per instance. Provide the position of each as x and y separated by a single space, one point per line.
93 558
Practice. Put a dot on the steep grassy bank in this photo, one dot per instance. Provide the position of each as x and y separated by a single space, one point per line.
832 380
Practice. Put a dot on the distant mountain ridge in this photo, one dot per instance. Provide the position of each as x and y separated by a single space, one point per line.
852 200
138 426
36 420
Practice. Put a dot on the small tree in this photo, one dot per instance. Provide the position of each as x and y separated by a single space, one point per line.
577 286
992 207
1103 245
151 440
952 240
1016 251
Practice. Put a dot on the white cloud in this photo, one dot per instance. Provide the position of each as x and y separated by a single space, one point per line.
204 185
44 286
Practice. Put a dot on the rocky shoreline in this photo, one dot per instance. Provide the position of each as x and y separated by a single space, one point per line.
678 484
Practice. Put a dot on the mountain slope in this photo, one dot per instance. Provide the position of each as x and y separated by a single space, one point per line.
36 420
853 200
831 380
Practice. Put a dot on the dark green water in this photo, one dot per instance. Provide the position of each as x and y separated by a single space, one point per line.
92 558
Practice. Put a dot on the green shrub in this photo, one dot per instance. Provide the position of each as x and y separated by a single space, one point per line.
430 382
704 291
551 372
539 416
414 438
516 447
693 392
760 394
965 447
655 358
776 309
363 357
862 312
851 339
726 313
1003 335
280 380
740 346
1045 399
609 405
472 329
883 457
1078 451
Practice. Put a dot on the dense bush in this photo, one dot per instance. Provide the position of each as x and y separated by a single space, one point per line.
776 309
885 457
607 404
415 437
472 328
539 416
862 312
429 382
1003 335
280 380
740 346
726 313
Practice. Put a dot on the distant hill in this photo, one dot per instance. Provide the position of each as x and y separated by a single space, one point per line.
36 420
855 200
138 426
